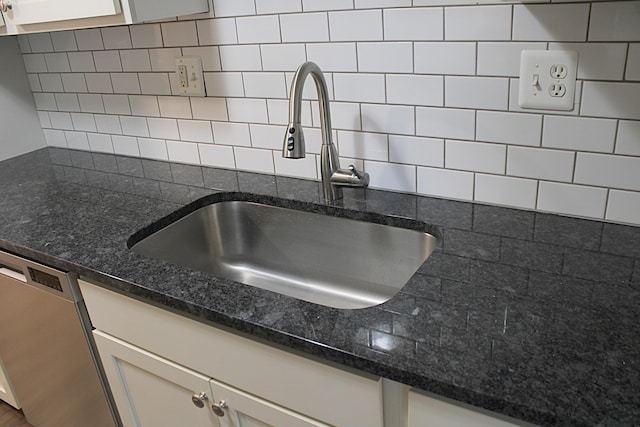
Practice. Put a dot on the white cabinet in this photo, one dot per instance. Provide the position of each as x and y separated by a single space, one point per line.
6 391
28 16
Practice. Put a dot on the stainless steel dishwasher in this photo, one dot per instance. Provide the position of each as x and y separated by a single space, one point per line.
46 349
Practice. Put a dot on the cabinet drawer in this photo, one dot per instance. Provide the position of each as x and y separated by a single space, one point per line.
326 393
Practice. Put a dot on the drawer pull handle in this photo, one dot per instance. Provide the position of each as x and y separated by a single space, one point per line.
5 5
218 408
199 399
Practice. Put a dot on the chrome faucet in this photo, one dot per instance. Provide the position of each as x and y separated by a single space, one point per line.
333 178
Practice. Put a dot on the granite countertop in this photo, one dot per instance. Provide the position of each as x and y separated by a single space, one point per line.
527 314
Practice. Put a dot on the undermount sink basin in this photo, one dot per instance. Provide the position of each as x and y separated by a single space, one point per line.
327 260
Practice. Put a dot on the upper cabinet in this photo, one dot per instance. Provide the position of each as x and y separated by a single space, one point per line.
31 16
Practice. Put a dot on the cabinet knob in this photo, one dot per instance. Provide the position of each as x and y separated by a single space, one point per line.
5 5
199 399
218 408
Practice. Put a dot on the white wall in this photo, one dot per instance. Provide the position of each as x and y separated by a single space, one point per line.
20 130
424 97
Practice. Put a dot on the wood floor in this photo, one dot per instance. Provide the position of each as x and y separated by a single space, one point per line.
10 417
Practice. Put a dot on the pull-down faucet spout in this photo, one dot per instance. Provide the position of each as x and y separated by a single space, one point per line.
333 178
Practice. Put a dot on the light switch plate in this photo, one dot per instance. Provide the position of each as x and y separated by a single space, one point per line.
547 79
190 80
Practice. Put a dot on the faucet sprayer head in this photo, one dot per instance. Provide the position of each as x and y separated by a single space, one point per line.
293 147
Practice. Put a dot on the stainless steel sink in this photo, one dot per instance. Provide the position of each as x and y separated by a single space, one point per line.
328 260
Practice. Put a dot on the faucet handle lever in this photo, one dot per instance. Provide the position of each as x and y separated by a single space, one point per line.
355 172
350 177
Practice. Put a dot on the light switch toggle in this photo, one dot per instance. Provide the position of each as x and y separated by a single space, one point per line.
535 81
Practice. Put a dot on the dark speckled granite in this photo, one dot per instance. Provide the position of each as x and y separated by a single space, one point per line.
527 314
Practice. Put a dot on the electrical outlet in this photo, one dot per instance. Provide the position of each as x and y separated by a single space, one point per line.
547 79
190 79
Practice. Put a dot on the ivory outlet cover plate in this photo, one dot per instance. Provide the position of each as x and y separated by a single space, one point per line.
547 79
189 77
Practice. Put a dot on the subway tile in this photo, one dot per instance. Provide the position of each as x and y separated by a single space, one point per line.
125 83
45 121
539 163
277 6
278 110
163 128
143 105
317 5
145 35
356 25
477 23
386 57
57 62
267 136
359 87
475 156
176 107
99 83
571 199
108 124
51 83
45 101
195 131
77 140
23 43
217 156
507 191
608 99
415 89
620 172
445 183
234 8
445 58
64 41
282 57
180 34
164 59
217 31
134 126
183 152
344 115
224 84
81 62
368 4
240 58
397 119
67 102
615 21
413 24
116 104
40 42
247 110
489 93
116 37
264 85
304 27
231 133
391 176
34 83
107 60
35 63
633 62
154 84
416 150
90 39
83 122
577 133
209 108
623 206
360 145
336 57
258 29
597 61
74 82
61 120
503 58
254 160
445 123
299 168
550 22
628 138
55 138
509 128
153 148
135 60
100 143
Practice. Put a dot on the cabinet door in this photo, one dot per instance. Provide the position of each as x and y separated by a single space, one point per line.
150 391
35 11
244 410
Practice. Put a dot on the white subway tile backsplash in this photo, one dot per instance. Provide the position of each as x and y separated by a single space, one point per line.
360 145
153 148
445 58
397 119
164 59
304 27
577 133
299 168
623 206
116 37
621 172
267 136
144 106
445 183
224 84
134 126
264 7
23 43
209 108
74 82
539 163
35 63
445 123
99 82
509 128
344 115
608 99
628 138
63 41
34 82
633 62
83 122
231 133
356 25
182 33
551 22
45 101
146 35
108 124
265 85
503 58
116 104
183 152
57 62
163 128
90 39
125 83
81 62
282 57
317 5
45 121
359 87
154 83
77 140
247 110
40 42
217 156
413 24
258 29
254 160
414 89
135 60
333 57
176 107
391 176
489 93
240 58
615 21
385 57
477 23
195 130
67 102
572 199
107 60
217 31
210 56
416 150
51 83
60 120
55 138
234 8
504 190
597 61
100 143
475 156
